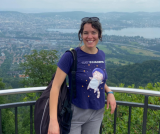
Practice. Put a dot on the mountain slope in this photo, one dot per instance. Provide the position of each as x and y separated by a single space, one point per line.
139 74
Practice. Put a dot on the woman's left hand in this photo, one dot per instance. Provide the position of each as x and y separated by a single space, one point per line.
111 100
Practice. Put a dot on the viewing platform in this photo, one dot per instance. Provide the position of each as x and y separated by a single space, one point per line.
145 106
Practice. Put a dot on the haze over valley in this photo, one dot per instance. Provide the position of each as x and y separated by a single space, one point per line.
20 33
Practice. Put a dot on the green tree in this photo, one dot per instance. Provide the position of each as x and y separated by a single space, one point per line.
2 85
8 122
39 67
153 115
7 115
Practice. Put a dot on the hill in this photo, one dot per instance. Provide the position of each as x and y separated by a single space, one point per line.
110 20
139 74
124 54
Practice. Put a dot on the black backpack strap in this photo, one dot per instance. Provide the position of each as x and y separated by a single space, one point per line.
73 73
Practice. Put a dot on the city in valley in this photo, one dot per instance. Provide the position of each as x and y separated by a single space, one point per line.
22 32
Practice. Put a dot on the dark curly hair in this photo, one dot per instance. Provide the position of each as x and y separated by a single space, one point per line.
95 24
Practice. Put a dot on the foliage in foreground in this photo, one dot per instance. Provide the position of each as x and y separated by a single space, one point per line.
108 121
39 68
153 116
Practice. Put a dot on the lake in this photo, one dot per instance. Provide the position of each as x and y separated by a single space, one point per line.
145 32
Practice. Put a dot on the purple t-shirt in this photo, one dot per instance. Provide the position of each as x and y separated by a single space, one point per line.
91 77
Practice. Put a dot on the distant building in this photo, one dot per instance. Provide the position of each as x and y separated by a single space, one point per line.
23 76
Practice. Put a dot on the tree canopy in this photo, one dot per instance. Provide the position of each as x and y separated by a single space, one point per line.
2 85
139 74
39 67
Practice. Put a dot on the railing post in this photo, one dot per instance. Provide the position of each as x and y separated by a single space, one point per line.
16 121
129 120
0 122
145 115
115 119
101 128
31 119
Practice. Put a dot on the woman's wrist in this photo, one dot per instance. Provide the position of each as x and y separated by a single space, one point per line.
110 92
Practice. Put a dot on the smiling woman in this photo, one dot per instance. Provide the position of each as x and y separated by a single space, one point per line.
91 76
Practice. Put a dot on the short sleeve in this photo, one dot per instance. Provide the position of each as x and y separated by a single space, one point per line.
65 62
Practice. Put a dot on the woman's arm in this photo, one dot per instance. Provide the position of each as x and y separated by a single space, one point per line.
107 89
53 102
110 99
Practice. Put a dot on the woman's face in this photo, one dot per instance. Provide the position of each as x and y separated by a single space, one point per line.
90 36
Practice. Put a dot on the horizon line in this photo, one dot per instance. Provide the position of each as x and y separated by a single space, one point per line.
12 10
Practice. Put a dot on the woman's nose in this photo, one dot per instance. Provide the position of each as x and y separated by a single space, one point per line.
89 35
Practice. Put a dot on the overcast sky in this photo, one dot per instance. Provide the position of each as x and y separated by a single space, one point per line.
80 5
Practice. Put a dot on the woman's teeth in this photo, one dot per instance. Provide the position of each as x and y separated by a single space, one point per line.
90 41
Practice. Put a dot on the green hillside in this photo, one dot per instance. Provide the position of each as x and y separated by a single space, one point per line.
124 54
139 74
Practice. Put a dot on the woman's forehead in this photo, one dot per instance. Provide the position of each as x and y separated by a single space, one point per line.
88 27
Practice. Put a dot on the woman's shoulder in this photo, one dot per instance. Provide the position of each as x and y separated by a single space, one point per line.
101 51
77 49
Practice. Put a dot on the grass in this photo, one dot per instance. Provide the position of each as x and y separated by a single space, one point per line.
134 44
137 51
104 48
118 61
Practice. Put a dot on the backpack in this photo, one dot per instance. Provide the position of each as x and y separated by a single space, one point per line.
64 112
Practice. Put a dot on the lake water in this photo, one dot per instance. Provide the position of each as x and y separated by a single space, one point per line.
145 32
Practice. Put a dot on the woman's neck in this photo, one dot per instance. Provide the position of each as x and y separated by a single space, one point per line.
89 50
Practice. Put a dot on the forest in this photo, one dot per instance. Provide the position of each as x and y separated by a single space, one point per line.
139 74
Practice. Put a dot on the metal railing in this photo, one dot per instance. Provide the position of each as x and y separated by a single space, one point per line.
144 105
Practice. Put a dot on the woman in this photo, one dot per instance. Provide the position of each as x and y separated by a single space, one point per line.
91 76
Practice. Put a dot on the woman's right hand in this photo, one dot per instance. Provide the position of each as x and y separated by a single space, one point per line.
53 127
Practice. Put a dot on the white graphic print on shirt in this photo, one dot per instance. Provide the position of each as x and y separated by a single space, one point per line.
96 80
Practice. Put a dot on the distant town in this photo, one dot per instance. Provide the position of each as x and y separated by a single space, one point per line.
21 32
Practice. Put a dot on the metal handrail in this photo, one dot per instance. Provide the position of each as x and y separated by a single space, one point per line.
21 90
135 91
114 89
144 105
